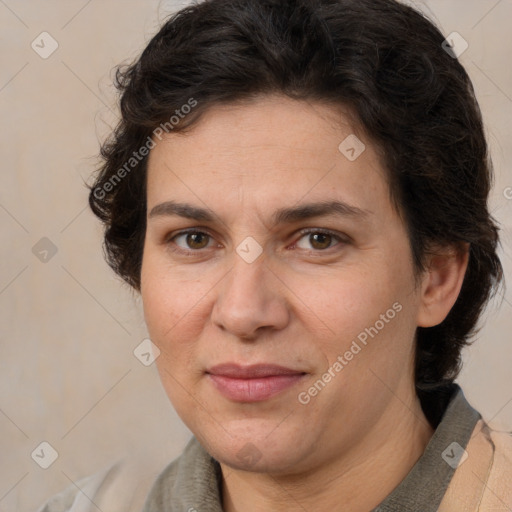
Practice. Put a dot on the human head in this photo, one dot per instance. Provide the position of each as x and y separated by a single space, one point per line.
380 59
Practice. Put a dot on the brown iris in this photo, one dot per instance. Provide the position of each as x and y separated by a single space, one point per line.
197 240
320 240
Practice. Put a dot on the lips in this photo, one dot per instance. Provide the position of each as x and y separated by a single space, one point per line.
236 371
252 383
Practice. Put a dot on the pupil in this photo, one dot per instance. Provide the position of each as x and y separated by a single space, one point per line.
320 239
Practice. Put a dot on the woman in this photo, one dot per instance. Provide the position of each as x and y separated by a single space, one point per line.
298 191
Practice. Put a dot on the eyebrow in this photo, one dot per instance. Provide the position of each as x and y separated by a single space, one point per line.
280 216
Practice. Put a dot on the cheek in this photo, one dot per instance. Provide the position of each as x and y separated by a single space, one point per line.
349 300
172 310
167 297
371 304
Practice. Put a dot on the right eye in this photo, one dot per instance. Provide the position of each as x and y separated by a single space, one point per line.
190 241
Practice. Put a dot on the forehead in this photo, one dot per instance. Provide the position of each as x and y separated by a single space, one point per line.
269 151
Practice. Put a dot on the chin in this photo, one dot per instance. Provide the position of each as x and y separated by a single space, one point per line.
256 453
250 458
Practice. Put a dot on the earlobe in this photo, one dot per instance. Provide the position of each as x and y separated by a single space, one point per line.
441 284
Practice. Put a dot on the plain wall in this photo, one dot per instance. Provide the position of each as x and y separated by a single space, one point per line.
69 326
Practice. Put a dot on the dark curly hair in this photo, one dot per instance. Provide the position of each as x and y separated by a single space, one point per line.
383 60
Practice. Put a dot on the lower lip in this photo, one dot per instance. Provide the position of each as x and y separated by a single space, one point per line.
253 390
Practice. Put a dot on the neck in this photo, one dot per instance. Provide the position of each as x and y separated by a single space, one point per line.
360 479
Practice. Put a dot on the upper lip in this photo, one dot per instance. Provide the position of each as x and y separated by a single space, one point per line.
237 371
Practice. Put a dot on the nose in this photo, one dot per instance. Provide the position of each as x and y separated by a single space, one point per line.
250 300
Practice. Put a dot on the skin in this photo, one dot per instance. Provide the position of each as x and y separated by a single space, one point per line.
300 304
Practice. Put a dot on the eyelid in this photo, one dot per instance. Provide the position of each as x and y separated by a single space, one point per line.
197 229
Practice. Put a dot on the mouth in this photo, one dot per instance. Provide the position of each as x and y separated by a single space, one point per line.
253 383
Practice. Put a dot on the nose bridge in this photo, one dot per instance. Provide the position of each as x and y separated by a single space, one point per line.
249 298
248 277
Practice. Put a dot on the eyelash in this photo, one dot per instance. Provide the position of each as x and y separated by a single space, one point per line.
191 252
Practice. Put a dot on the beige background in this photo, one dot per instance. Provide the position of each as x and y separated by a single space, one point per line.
68 326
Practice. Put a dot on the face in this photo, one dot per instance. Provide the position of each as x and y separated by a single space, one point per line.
268 243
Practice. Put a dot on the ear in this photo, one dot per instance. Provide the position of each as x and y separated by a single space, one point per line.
441 283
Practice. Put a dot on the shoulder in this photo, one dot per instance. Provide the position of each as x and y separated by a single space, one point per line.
121 487
483 479
498 489
69 499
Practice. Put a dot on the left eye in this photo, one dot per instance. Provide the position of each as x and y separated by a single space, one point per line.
319 240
